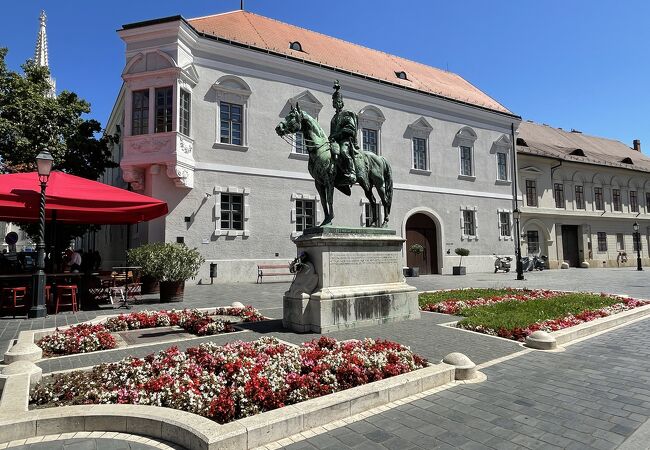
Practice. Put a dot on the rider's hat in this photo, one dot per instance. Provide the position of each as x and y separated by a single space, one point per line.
336 96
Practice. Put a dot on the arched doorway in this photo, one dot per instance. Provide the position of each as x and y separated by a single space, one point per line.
421 229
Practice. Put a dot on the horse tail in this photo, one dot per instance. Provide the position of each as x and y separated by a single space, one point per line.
388 184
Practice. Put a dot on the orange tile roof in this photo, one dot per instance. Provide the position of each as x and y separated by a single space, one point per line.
268 34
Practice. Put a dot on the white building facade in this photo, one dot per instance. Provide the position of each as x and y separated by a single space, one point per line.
581 196
197 114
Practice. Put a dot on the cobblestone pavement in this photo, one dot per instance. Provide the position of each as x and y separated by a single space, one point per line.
97 440
596 394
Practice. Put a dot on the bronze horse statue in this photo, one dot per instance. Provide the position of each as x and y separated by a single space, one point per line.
371 170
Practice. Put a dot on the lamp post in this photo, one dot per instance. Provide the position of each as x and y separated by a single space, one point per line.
520 271
637 235
44 163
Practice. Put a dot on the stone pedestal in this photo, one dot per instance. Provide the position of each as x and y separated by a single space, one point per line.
354 278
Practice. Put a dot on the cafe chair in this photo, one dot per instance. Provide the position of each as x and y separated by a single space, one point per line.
14 297
66 296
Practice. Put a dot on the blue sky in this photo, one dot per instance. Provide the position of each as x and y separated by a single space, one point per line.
571 64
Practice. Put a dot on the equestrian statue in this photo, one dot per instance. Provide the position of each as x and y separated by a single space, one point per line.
335 161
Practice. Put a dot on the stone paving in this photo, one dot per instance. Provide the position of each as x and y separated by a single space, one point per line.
90 441
594 395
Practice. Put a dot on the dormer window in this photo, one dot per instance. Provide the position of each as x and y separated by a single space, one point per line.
627 160
401 75
295 46
578 152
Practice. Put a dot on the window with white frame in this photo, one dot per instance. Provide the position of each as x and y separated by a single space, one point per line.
620 242
369 137
418 132
140 112
466 161
580 196
504 224
232 210
599 201
419 153
232 108
502 166
468 223
602 241
185 112
616 199
231 123
558 195
532 241
634 202
531 192
299 144
305 214
370 122
647 202
164 109
367 216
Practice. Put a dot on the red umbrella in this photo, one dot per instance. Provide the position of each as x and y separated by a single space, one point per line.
75 200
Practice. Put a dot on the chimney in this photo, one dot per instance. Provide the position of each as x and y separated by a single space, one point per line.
636 145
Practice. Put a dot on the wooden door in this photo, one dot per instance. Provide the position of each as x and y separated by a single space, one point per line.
570 245
420 229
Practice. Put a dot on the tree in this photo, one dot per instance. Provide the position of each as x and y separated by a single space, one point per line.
31 121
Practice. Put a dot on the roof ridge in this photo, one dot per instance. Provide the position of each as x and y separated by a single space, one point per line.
214 15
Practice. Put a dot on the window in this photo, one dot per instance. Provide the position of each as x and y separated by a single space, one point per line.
295 46
231 123
369 140
305 214
616 199
580 197
184 115
504 224
164 109
636 242
531 193
502 166
419 153
634 202
532 239
232 211
300 144
466 161
368 218
647 202
598 198
602 241
620 242
558 194
469 223
140 112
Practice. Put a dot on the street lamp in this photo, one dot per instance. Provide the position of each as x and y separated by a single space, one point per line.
637 235
44 163
520 271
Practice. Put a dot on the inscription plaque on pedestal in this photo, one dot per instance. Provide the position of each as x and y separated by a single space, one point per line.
360 281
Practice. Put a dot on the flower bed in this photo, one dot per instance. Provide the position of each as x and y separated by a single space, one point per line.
81 338
515 314
233 381
86 338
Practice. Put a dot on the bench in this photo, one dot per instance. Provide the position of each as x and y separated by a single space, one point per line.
269 270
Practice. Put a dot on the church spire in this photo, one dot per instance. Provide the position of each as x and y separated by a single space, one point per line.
40 54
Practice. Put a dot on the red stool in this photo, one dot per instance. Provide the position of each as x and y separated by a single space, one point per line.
66 292
15 296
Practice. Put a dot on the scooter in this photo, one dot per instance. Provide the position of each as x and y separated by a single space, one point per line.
540 262
502 263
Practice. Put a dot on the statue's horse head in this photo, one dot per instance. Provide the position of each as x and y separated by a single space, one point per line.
292 123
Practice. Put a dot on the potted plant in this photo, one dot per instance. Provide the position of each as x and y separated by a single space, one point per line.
171 265
416 249
460 269
140 257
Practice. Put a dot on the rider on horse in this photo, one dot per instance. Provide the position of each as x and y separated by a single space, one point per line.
343 137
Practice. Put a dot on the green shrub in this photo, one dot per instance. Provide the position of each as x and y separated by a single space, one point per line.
416 249
166 261
461 252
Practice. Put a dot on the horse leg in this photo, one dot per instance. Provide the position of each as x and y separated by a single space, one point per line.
374 220
323 199
330 201
382 195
